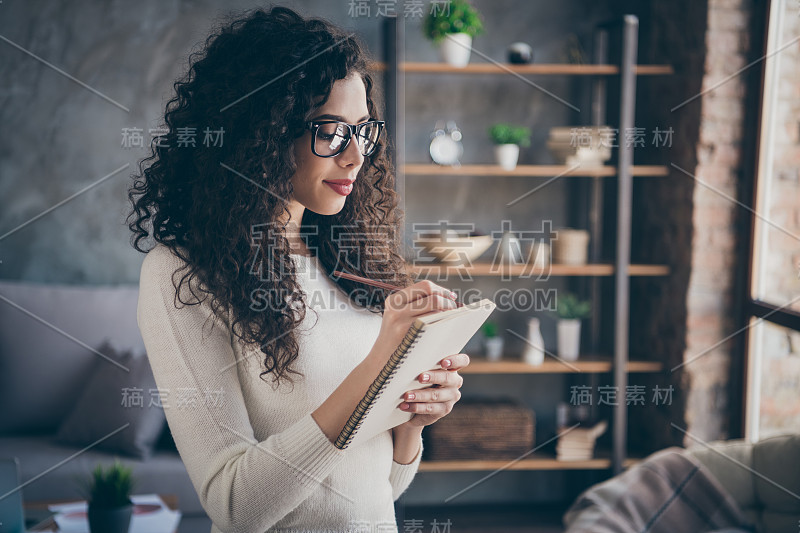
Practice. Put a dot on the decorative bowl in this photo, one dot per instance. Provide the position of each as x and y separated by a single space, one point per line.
453 248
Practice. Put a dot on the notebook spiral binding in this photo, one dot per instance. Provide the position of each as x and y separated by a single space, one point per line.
378 386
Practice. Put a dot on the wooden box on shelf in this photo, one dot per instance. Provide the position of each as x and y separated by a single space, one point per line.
486 429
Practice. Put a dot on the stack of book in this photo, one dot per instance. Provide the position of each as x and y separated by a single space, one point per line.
150 515
577 444
586 146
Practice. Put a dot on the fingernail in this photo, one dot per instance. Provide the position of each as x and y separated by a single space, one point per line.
410 396
403 405
426 378
453 295
446 363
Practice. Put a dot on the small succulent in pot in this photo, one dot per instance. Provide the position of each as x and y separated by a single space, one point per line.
108 494
493 343
570 312
570 307
507 139
489 329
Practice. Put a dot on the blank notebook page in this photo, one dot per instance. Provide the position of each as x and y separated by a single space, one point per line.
444 333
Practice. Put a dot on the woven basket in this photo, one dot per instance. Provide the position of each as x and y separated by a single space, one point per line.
571 247
487 429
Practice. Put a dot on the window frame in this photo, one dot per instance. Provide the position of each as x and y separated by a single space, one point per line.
754 309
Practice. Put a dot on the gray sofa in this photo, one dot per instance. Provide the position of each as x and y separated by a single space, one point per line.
727 486
45 334
763 478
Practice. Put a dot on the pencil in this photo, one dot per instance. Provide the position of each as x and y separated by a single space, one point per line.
374 283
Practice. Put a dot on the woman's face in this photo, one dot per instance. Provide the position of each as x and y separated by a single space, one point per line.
347 103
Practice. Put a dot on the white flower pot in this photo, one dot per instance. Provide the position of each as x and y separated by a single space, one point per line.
494 348
569 338
507 155
455 49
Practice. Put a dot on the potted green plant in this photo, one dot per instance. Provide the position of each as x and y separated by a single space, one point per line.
492 342
571 311
507 139
452 27
108 496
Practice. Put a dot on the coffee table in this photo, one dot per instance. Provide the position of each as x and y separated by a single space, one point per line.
171 500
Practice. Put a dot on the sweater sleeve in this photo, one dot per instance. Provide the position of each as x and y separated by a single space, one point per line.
244 485
401 475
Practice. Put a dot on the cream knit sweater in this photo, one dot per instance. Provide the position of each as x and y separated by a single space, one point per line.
257 459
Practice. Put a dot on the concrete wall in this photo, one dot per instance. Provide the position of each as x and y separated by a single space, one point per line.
59 137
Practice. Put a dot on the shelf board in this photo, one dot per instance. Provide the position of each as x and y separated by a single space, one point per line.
425 67
533 461
429 169
584 364
489 269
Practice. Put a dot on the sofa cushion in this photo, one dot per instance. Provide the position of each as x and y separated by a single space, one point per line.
764 477
721 458
46 331
777 459
120 391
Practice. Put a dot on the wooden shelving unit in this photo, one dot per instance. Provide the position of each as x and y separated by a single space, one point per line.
585 364
489 269
617 363
544 171
534 461
540 69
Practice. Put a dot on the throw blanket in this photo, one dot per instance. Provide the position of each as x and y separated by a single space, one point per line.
669 492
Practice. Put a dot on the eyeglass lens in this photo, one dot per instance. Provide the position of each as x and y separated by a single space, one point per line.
332 135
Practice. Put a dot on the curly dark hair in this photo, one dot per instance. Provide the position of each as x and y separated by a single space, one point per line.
207 214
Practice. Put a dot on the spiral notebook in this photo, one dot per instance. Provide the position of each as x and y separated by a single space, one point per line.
430 339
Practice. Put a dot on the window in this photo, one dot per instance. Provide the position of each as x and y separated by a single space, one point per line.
773 337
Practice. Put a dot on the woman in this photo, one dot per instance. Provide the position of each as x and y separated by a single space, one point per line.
253 227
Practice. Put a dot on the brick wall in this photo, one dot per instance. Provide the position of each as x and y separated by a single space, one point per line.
691 221
716 216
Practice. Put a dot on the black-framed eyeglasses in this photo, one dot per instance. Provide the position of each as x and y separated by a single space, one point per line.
330 137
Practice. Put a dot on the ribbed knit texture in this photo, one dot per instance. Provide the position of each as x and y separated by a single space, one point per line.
256 457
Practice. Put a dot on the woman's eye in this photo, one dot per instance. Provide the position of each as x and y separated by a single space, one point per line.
326 137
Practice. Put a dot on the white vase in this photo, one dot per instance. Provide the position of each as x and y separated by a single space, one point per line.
455 49
509 250
534 349
569 338
494 348
539 255
507 155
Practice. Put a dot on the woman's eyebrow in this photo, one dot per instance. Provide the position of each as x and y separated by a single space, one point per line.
337 117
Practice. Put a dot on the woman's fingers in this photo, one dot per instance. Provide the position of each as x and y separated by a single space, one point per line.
431 401
455 362
440 398
417 291
433 394
445 378
431 304
441 408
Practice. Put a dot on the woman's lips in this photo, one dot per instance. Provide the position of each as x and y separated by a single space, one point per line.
342 187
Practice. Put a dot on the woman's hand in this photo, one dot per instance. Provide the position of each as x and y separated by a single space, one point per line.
401 309
432 403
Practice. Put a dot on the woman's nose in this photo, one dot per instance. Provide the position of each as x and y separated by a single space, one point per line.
351 154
